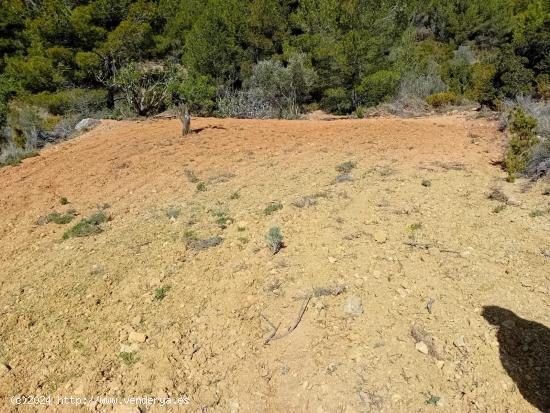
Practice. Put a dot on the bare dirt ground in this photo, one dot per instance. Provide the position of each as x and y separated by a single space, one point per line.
140 310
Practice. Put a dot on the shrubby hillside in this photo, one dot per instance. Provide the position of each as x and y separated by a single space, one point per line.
65 60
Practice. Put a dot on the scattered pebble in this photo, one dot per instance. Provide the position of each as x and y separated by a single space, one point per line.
353 306
422 347
459 341
97 269
380 236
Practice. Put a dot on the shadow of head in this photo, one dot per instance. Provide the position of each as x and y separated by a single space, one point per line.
524 348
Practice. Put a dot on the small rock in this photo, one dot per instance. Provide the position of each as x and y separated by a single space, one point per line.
440 364
4 369
234 406
135 337
422 347
126 348
459 342
353 306
97 269
380 236
332 260
86 124
137 320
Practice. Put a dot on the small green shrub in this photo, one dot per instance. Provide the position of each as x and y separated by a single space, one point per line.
274 239
87 226
522 140
63 200
442 99
201 187
235 195
377 87
345 167
128 358
360 112
481 87
60 219
160 293
272 207
222 218
499 208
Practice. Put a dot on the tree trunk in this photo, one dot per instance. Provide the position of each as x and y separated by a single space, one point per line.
185 120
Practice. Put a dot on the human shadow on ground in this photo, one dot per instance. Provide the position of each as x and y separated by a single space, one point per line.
524 353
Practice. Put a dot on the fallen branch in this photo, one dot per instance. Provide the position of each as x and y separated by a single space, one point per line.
418 245
290 329
274 329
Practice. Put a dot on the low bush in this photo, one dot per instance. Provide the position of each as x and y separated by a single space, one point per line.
378 87
244 104
274 239
12 155
82 101
273 91
421 86
272 207
337 101
442 99
87 226
481 88
522 141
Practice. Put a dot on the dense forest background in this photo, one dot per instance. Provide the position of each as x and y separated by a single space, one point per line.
61 60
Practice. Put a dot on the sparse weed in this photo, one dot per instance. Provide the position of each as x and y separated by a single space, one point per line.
235 195
57 218
160 293
87 226
346 167
191 176
497 195
189 234
274 239
243 240
128 358
426 183
415 227
343 177
222 218
537 213
173 212
431 399
201 187
272 207
241 229
499 208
